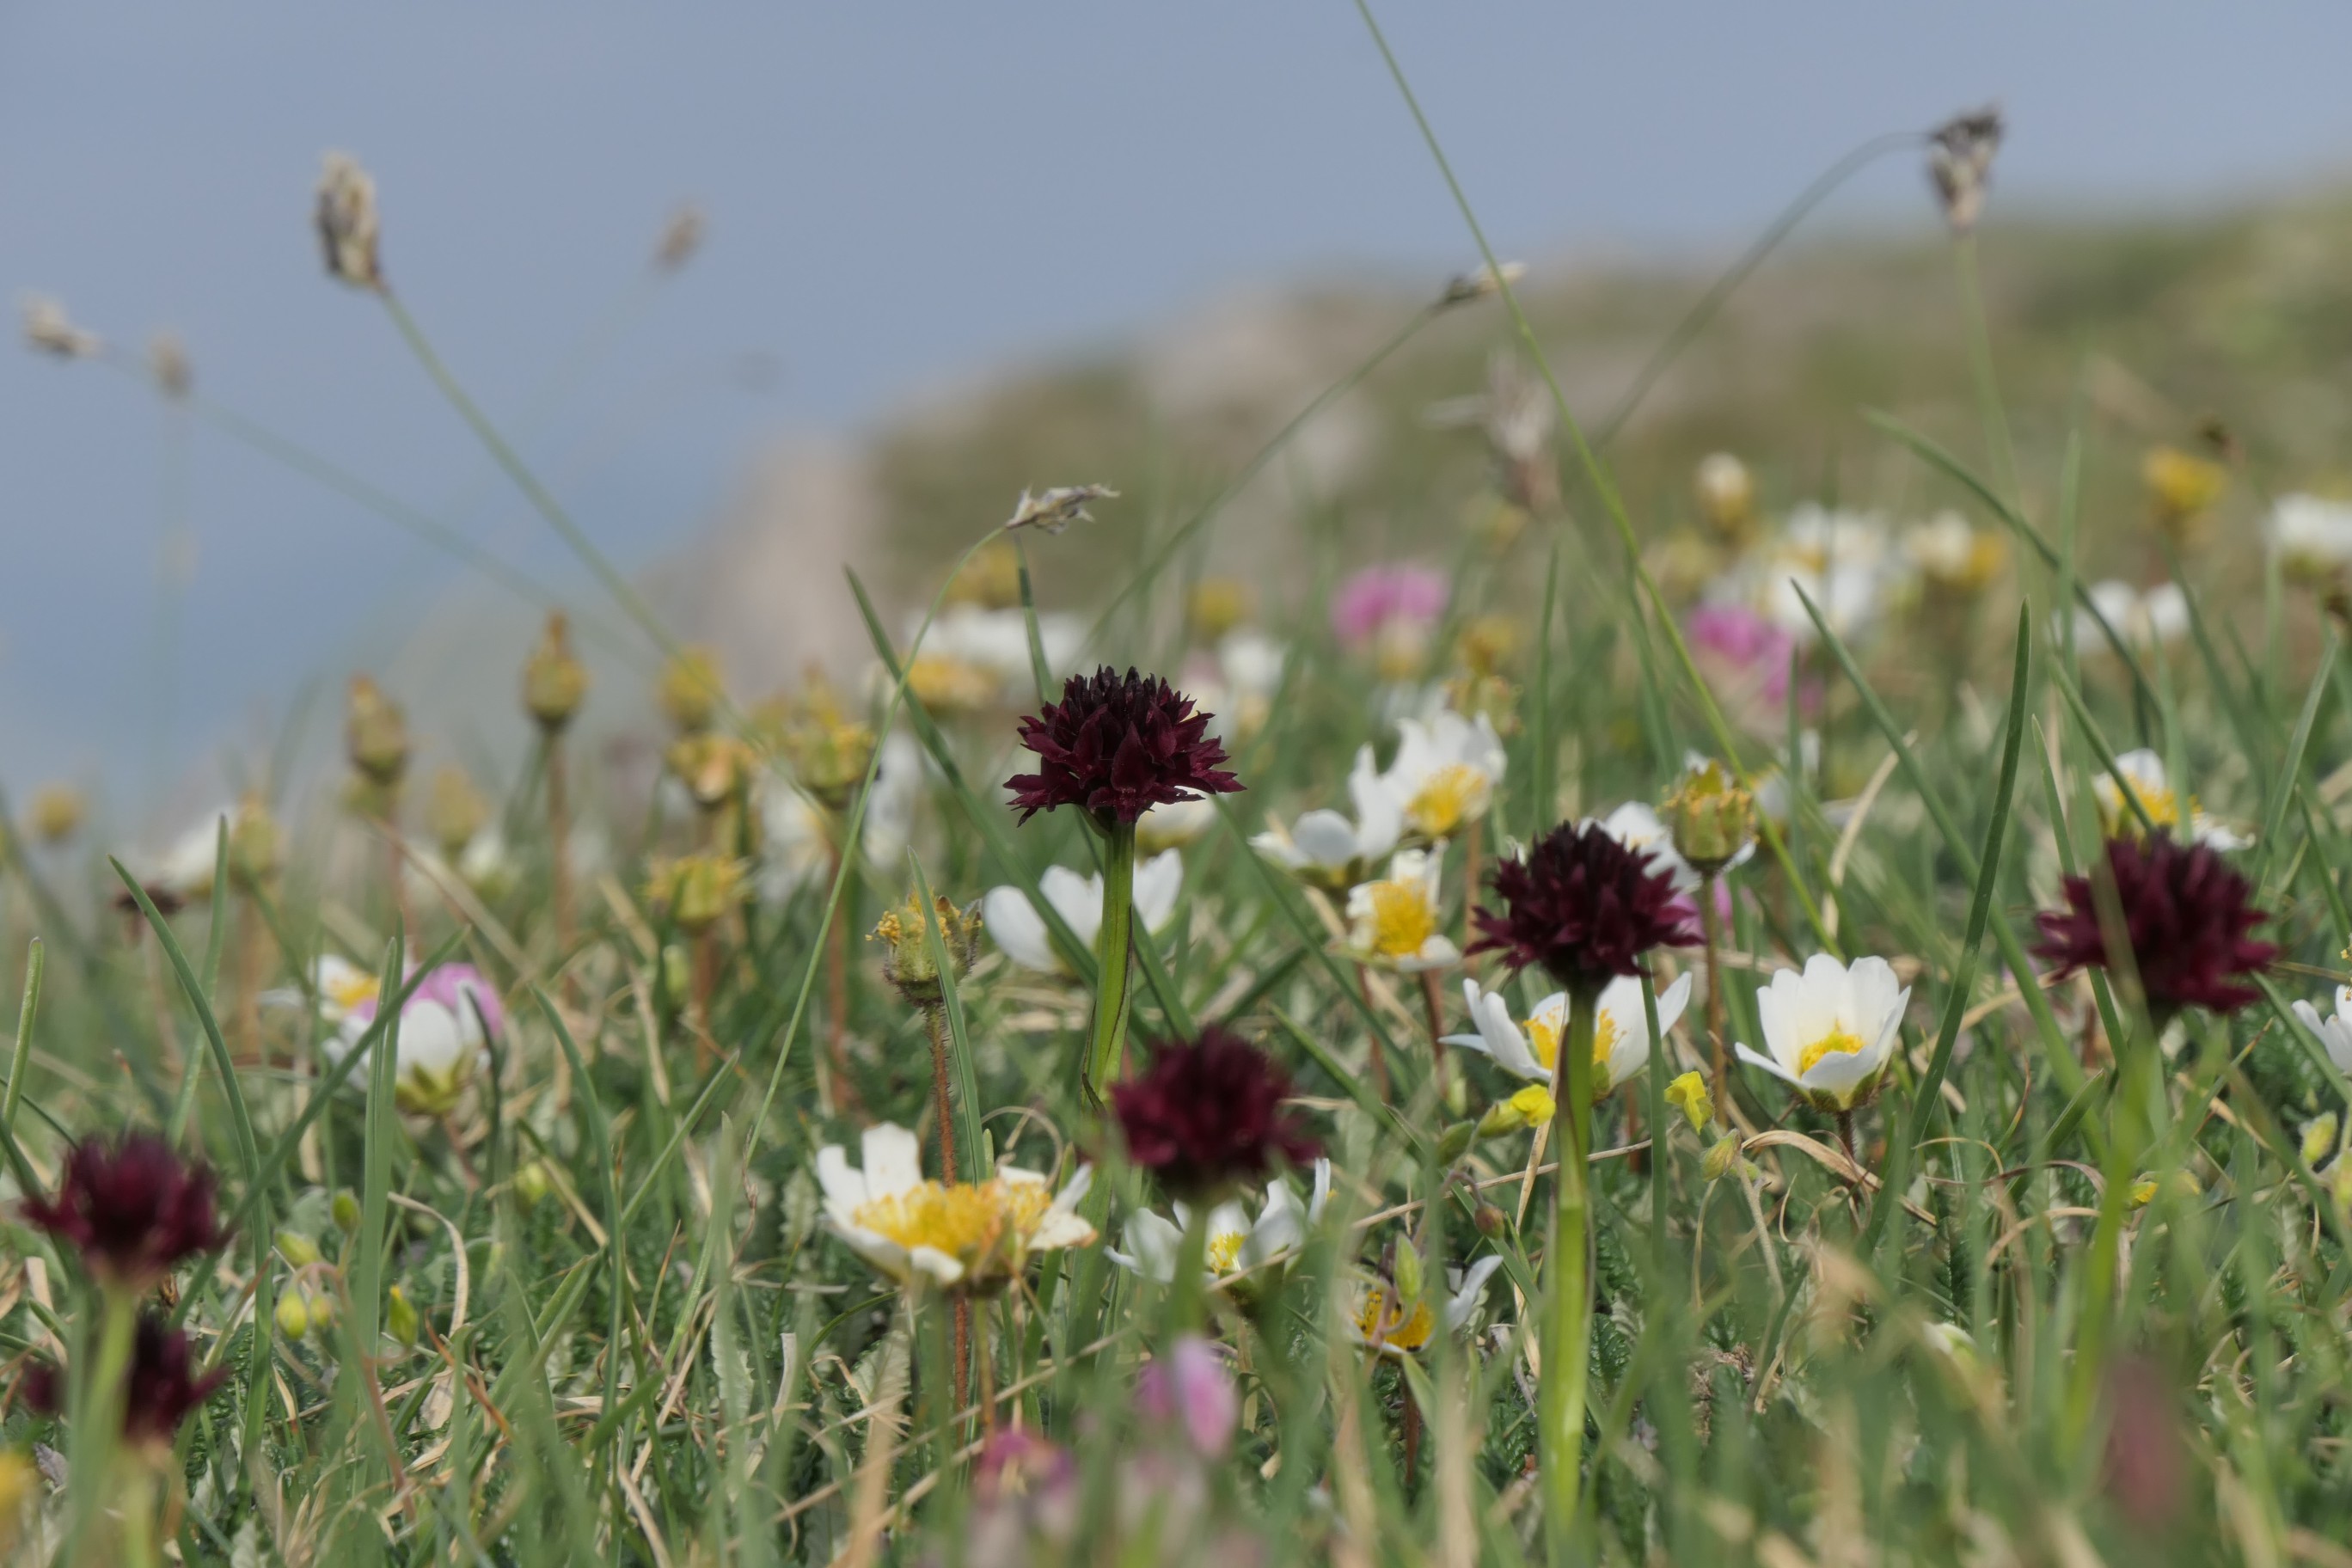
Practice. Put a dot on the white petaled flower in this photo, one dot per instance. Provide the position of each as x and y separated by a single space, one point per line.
1840 560
1384 1324
1621 1031
1020 930
1640 828
1324 849
1395 923
2335 1030
1174 823
2311 537
796 851
971 1236
1234 1240
1445 772
2143 773
1830 1030
993 645
340 984
447 1025
2144 620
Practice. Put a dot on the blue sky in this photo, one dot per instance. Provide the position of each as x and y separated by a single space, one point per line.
899 194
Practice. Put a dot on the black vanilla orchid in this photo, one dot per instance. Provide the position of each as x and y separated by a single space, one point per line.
1208 1116
1584 907
2187 914
134 1210
160 1390
1117 745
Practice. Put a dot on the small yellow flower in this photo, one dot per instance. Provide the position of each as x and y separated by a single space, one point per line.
710 766
57 812
554 682
974 1238
907 964
1215 606
697 890
1689 1095
691 689
2181 489
991 579
946 685
1711 817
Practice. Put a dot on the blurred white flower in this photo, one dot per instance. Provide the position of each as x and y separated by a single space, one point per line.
2145 621
1234 1240
1008 916
2143 773
2311 537
2335 1030
1324 849
1445 772
798 848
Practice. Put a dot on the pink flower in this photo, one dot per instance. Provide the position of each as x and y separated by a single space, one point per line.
1191 1383
458 988
1745 640
1378 598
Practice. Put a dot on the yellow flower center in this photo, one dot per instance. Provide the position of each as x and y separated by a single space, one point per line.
1452 794
1839 1042
950 685
2161 804
1382 1319
1534 1104
348 991
1403 919
964 1221
1543 1038
1225 1252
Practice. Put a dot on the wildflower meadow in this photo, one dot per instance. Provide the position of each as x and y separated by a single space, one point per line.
1696 1020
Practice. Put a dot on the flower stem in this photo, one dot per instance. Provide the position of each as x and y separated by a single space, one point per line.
1567 1262
935 1024
2127 1139
559 874
1712 929
96 1424
1113 948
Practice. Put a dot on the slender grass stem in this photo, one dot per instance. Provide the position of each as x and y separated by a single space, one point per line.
1567 1269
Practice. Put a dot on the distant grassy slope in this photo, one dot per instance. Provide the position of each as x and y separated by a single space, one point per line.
2141 328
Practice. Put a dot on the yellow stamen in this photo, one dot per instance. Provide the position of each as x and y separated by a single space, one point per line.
349 991
1837 1041
1543 1038
965 1221
1452 795
1383 1320
1403 919
1226 1251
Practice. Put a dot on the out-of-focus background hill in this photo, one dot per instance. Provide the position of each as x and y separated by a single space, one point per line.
2134 333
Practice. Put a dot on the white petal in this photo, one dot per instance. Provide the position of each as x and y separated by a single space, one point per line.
894 1160
1464 1299
1077 899
1325 838
1074 1191
1758 1060
1007 915
1155 1243
1322 1194
843 1183
938 1265
1281 1224
1157 882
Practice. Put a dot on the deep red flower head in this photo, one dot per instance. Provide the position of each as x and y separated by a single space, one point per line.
1584 906
133 1210
160 1392
2186 915
1207 1115
1117 745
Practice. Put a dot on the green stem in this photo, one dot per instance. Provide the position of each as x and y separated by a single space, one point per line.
1113 948
97 1426
2126 1138
1567 1262
1995 415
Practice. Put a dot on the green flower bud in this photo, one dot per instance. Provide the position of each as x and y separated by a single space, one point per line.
298 1250
1456 1137
554 683
292 1317
400 1317
1712 818
346 1211
1408 1276
1722 1158
907 962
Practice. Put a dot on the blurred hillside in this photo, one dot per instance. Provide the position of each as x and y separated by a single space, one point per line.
2139 332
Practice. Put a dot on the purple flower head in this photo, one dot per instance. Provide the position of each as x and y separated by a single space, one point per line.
1378 596
1191 1384
1208 1115
134 1210
2188 916
1583 906
160 1393
1117 746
